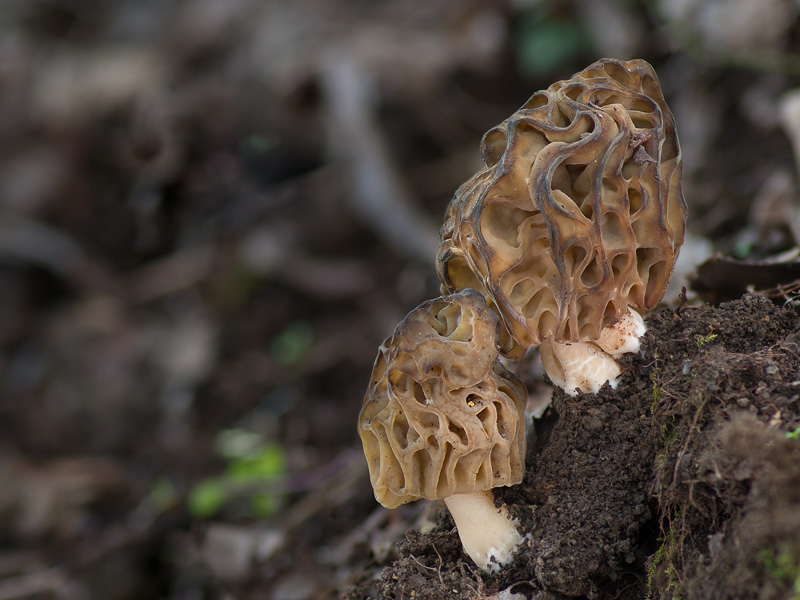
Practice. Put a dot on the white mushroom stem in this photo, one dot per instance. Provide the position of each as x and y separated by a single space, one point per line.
489 534
586 366
578 367
623 336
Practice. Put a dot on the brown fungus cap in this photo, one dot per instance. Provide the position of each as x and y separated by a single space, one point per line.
442 416
579 211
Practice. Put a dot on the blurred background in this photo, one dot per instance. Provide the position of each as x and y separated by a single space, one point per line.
211 214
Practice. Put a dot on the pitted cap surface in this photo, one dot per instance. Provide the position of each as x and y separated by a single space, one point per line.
442 416
579 211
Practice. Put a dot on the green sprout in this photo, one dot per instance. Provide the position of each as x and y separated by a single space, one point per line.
793 435
163 494
548 43
702 341
785 566
293 343
207 498
254 472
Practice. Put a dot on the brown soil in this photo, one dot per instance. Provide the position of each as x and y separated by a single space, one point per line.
681 483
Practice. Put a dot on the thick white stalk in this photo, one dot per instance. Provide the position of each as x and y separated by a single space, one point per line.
586 366
489 534
578 366
624 336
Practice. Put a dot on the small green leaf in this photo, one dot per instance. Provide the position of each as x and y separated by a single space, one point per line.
743 249
293 343
793 435
207 498
546 44
163 494
265 505
268 463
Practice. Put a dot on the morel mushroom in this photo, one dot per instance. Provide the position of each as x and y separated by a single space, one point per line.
577 216
442 418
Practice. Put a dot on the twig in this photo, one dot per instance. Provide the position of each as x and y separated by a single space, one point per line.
38 582
379 195
437 569
441 562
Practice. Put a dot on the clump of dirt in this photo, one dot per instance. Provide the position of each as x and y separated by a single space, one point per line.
434 562
727 477
751 479
680 482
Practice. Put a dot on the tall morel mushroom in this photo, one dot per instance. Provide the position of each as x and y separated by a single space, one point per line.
575 221
577 217
442 418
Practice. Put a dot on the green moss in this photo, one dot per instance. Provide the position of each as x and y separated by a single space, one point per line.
662 561
785 565
254 473
703 340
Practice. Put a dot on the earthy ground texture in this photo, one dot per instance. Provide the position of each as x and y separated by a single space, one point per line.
211 215
680 483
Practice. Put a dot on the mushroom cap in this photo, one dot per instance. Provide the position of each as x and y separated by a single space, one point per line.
579 211
442 416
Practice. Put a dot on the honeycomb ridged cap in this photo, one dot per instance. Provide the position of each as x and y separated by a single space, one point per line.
579 211
442 416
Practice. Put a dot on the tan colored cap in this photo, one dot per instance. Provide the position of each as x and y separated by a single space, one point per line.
442 416
579 211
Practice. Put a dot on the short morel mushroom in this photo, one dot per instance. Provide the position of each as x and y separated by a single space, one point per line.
442 418
576 219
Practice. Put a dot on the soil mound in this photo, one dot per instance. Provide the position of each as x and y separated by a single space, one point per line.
682 483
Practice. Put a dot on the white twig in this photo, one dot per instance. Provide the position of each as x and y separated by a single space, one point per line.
378 193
